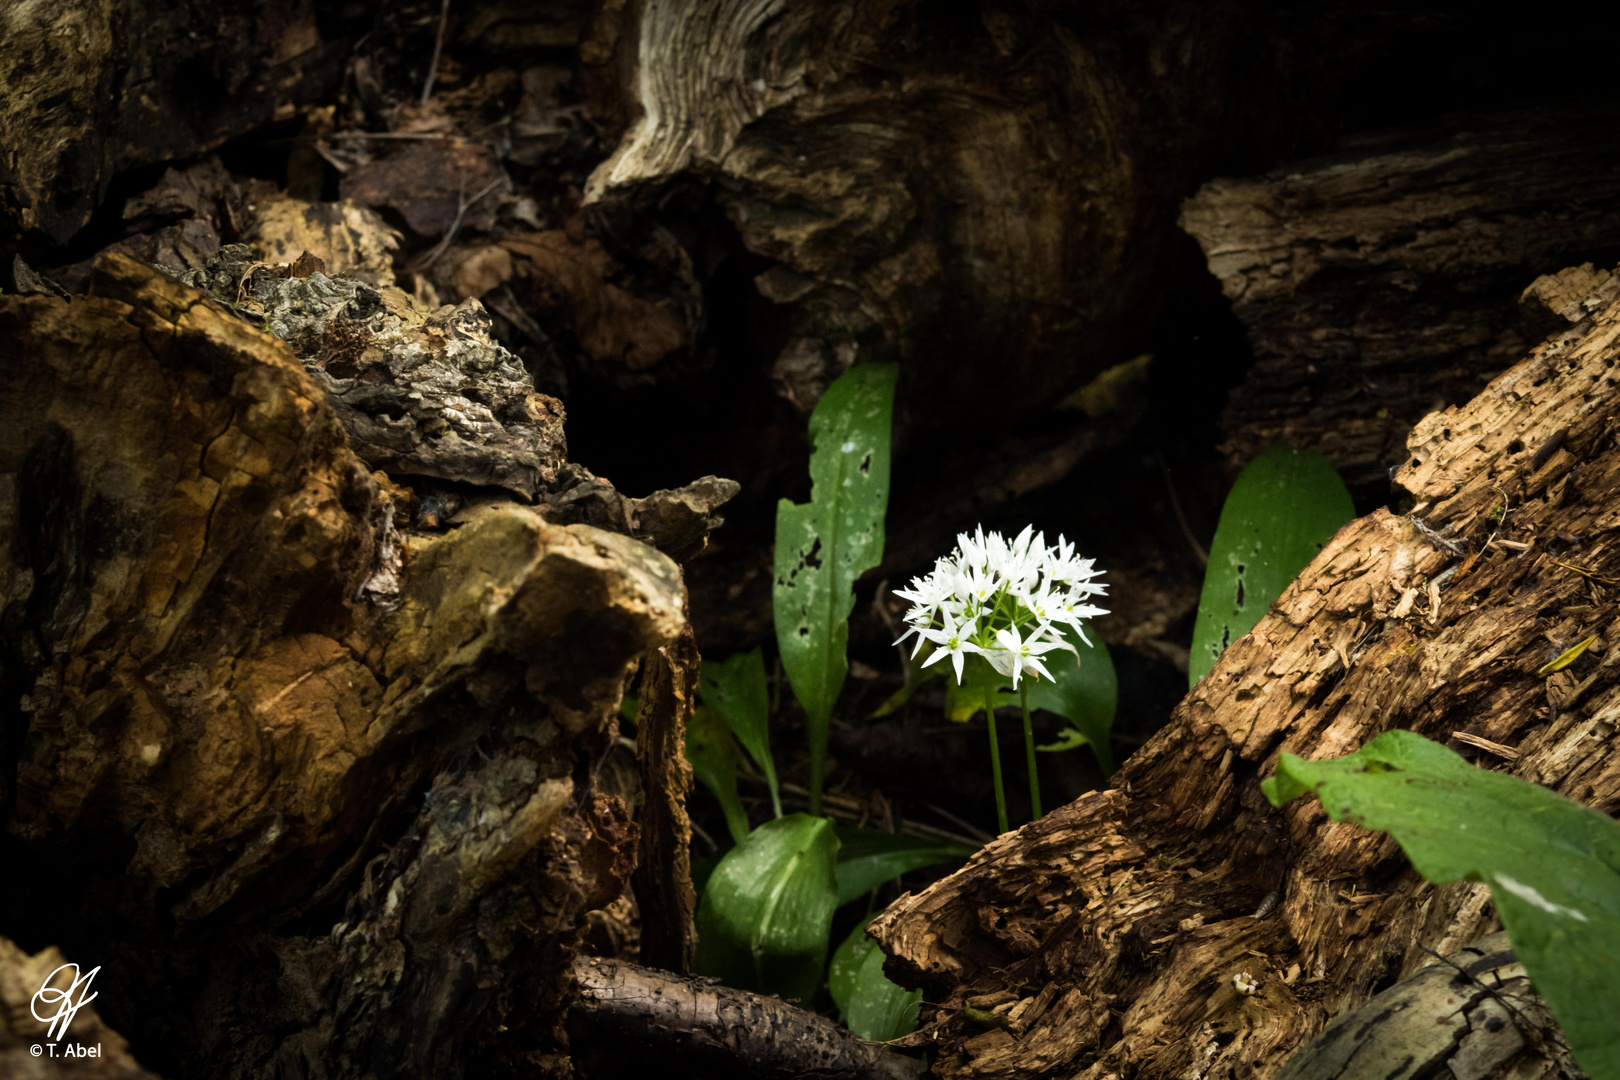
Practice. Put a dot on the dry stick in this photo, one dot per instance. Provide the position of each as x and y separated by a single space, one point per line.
995 758
438 47
1029 754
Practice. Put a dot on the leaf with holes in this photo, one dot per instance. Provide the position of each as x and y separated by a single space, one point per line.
767 910
735 688
1553 865
822 546
1282 511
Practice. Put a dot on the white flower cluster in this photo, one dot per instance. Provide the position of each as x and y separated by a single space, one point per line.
1003 600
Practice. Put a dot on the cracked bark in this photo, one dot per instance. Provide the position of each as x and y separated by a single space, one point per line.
1107 933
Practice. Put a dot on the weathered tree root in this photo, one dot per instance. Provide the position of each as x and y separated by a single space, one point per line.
626 1011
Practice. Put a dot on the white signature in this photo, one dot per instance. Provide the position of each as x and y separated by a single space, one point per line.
67 1002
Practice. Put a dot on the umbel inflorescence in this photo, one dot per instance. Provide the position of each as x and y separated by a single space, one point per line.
1003 600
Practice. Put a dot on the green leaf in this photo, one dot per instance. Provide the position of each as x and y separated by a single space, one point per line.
872 1006
869 857
965 700
879 1009
1553 865
846 964
822 546
1281 512
735 688
767 911
713 756
1084 691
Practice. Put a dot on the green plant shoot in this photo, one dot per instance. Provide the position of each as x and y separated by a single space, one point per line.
735 688
1280 513
1553 865
822 546
767 909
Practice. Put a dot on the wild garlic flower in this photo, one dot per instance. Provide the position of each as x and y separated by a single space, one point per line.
1004 600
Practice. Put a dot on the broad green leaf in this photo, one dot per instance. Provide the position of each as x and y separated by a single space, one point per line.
822 546
1085 692
713 756
846 964
965 700
735 688
869 857
767 911
1281 512
880 1010
1553 865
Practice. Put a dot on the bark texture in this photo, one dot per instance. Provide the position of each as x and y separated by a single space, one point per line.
1107 934
1378 284
319 797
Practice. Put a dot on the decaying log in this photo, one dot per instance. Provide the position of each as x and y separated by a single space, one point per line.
1377 284
431 394
88 89
318 797
1107 933
1470 1013
630 1020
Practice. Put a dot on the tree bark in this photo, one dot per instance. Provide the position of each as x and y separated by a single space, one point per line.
1378 284
1108 932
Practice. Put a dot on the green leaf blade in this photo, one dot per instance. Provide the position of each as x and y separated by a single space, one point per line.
1084 690
767 910
880 1010
824 545
735 688
869 857
1283 509
713 757
1553 865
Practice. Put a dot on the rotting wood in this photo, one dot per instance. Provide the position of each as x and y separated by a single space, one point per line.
1377 283
663 877
310 791
630 1020
1109 927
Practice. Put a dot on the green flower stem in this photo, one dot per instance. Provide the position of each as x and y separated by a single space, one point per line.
995 759
1029 753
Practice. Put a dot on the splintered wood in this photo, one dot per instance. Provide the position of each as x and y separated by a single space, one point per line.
1118 924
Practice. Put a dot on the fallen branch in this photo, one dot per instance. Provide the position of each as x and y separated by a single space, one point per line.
630 1012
